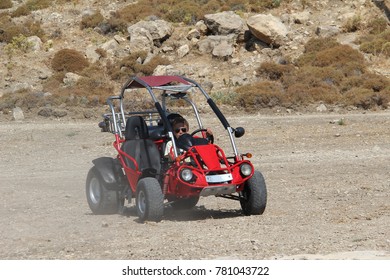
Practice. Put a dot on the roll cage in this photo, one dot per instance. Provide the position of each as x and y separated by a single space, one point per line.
170 87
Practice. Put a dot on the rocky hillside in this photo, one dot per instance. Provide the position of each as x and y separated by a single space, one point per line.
222 51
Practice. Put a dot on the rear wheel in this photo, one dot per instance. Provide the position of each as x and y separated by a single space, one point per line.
149 200
100 199
254 196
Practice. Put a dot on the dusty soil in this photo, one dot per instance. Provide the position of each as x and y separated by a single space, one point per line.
328 194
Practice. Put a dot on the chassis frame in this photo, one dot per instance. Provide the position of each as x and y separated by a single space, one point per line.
212 172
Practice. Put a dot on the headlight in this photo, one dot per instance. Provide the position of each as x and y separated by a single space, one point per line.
186 174
245 169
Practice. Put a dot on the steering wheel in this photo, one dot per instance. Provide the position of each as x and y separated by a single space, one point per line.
210 137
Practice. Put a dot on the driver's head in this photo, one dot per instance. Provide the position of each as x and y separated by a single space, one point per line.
180 126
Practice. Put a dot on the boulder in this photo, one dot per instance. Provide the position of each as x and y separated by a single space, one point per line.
183 51
208 44
71 79
17 114
224 23
159 30
140 39
224 50
35 43
328 30
268 28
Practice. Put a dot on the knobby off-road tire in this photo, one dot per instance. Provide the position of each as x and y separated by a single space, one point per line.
254 195
185 203
100 199
149 200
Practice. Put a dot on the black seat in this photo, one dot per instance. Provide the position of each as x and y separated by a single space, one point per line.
139 146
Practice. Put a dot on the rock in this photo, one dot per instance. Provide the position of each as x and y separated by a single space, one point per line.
140 39
18 87
71 79
159 30
194 33
327 31
268 28
18 114
224 50
201 27
91 54
111 47
183 51
208 44
224 23
166 70
321 108
301 18
35 42
59 113
46 112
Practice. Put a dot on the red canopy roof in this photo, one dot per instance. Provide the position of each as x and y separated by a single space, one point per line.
155 81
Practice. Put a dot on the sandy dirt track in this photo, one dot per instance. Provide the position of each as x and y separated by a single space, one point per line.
328 194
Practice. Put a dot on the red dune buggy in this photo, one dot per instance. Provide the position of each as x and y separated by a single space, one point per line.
141 171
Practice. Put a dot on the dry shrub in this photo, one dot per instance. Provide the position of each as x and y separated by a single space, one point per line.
27 29
315 45
185 11
375 82
353 24
34 5
92 89
116 23
190 11
31 5
21 11
69 60
91 21
26 99
337 56
303 94
377 26
314 77
5 4
134 64
366 98
260 95
327 71
274 71
376 44
136 12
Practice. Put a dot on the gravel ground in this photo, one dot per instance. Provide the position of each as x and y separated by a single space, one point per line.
327 175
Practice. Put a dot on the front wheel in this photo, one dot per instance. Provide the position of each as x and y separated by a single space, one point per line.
253 198
100 199
149 200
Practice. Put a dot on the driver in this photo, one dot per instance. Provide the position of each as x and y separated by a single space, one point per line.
180 126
